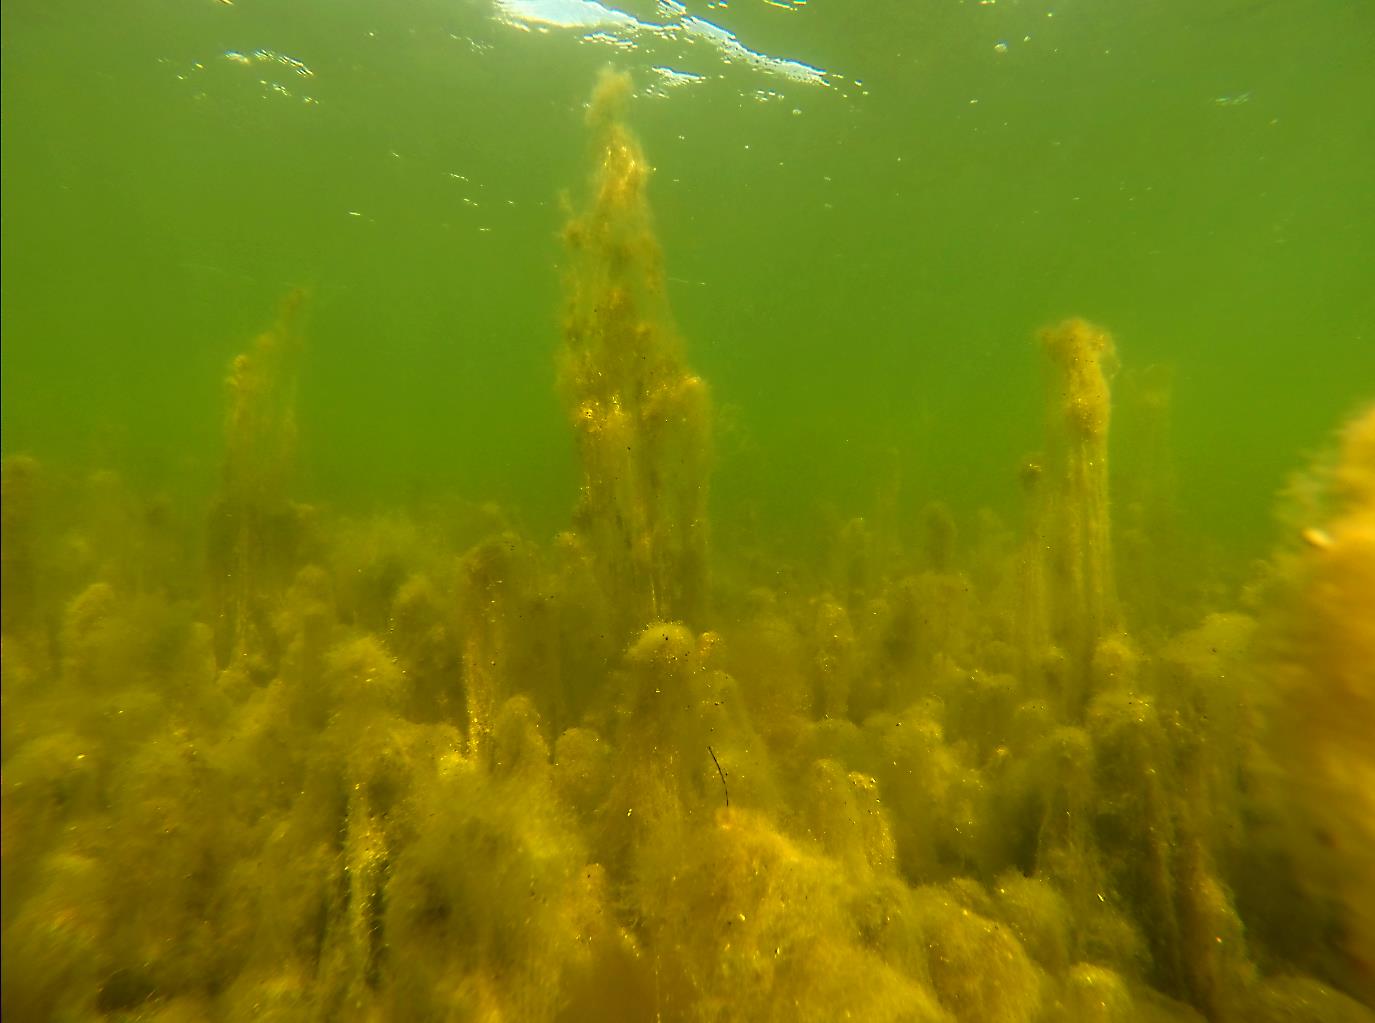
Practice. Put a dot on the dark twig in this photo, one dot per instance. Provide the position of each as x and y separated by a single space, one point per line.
722 774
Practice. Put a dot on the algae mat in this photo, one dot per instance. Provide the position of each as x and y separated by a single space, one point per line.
553 510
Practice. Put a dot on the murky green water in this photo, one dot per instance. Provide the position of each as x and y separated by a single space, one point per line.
857 268
337 695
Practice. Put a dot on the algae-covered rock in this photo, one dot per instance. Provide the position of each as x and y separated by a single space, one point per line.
1040 918
979 969
1304 1000
1096 995
752 926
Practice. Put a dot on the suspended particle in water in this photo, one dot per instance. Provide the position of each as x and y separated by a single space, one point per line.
1000 46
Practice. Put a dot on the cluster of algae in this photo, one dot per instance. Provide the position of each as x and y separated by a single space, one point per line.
421 767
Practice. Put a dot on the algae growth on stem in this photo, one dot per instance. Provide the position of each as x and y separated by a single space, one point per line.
642 419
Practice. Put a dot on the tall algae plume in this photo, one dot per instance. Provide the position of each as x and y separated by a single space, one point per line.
253 523
1321 642
269 762
641 417
1078 541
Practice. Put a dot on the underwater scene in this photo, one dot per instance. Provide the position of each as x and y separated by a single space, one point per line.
800 510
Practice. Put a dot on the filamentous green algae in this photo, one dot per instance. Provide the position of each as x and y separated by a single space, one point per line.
272 761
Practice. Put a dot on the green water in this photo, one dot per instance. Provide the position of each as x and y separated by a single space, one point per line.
909 557
857 269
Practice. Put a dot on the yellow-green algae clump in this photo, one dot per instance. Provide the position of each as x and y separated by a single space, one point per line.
268 762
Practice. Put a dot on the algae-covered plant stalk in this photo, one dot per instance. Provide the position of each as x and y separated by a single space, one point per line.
641 417
1079 546
252 524
265 761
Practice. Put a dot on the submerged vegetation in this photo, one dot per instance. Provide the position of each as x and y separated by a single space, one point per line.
274 763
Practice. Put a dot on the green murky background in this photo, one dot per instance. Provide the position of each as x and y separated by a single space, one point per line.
294 741
857 268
